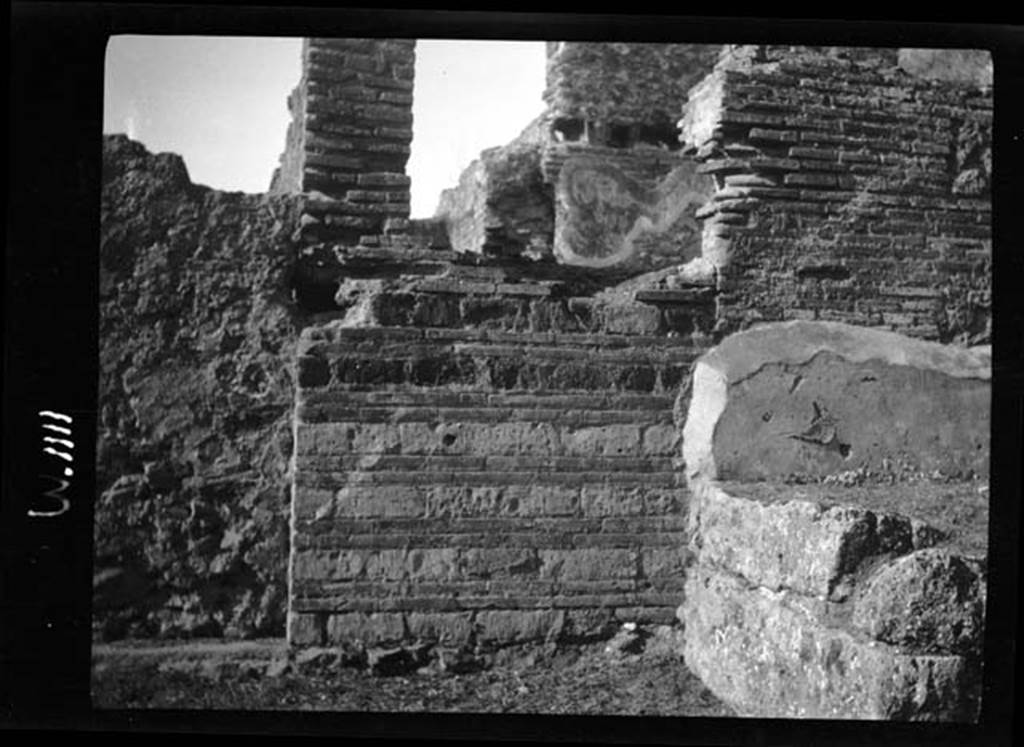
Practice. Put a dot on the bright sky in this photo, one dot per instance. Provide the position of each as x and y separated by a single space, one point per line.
220 102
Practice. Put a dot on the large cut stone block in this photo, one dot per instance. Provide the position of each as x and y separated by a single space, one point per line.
588 564
604 440
771 654
448 628
827 599
798 545
514 626
370 629
815 398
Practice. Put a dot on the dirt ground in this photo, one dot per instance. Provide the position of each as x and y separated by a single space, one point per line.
591 679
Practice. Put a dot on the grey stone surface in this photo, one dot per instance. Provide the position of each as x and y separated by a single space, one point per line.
815 398
770 654
797 545
513 626
809 607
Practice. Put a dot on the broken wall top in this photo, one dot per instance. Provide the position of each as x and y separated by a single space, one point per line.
624 83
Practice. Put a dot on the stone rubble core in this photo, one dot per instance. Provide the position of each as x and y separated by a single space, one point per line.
197 337
828 598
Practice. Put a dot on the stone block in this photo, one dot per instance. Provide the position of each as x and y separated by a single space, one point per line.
631 319
368 629
767 654
322 565
431 563
381 501
423 438
503 627
483 439
483 500
419 564
930 601
309 502
590 564
797 545
490 562
607 440
516 438
324 438
665 501
305 629
661 440
557 500
816 398
611 500
446 628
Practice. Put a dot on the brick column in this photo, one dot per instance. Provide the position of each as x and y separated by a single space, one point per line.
350 136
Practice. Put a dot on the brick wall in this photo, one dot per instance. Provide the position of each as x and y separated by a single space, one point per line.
487 483
350 135
847 189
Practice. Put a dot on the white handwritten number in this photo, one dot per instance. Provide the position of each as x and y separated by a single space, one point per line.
66 443
65 504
